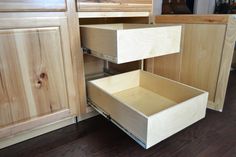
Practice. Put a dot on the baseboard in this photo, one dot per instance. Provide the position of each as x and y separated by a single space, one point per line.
11 140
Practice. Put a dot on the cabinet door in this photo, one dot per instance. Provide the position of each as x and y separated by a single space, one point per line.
114 5
34 61
198 64
32 5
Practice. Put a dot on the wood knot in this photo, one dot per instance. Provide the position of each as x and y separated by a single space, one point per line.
43 75
38 84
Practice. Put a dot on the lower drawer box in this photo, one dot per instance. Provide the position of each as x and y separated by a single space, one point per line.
148 107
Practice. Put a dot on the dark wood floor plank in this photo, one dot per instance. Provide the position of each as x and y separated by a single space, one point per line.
214 136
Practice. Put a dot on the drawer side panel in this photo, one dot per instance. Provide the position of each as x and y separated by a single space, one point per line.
122 114
170 121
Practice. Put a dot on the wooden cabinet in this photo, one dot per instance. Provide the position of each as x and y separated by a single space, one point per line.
207 50
32 5
35 71
114 5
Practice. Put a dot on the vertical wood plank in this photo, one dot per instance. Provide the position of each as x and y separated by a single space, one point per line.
202 55
5 106
11 78
43 65
225 66
77 59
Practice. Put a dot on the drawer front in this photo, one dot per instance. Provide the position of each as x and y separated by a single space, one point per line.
32 5
114 5
130 42
147 107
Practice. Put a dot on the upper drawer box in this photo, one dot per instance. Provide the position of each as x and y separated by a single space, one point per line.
114 5
32 5
121 43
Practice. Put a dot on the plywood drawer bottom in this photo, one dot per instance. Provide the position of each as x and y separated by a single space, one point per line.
148 107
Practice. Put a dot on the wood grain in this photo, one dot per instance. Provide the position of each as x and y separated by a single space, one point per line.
150 102
192 19
114 5
77 61
32 5
206 55
124 40
213 136
35 68
202 56
227 56
14 104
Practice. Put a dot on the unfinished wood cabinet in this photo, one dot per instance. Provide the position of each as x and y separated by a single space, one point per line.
114 5
35 73
206 55
147 107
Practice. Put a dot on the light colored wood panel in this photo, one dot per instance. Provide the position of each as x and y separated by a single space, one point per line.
114 5
172 90
124 40
113 84
12 80
42 57
202 56
5 106
112 14
226 60
124 115
193 19
77 61
136 98
149 65
168 66
31 14
93 65
43 69
70 61
32 5
174 119
40 130
33 123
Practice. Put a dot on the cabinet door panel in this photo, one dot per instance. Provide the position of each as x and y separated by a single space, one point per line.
33 71
11 82
202 56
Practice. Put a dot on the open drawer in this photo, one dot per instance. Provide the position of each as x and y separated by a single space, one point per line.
147 107
121 43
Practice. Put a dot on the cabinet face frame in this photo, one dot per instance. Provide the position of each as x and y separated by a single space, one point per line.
229 23
46 22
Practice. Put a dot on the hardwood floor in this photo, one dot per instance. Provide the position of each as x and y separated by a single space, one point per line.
215 136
